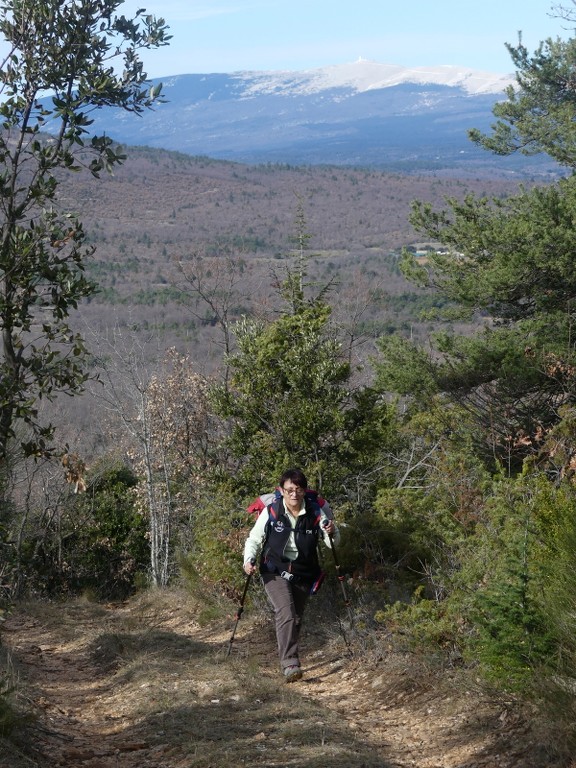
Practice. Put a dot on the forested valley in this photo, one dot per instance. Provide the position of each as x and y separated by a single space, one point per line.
178 331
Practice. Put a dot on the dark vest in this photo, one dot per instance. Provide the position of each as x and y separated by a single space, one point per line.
306 532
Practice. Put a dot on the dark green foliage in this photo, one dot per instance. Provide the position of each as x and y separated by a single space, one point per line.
218 528
101 546
508 258
112 548
437 499
494 557
8 715
538 115
481 568
68 50
555 520
503 580
368 429
424 626
286 396
507 263
404 368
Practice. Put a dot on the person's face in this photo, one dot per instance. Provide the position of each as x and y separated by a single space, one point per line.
293 494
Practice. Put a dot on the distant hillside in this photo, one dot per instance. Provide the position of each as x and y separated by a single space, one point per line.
361 114
164 215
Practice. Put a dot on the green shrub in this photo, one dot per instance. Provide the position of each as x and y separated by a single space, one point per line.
500 588
219 526
8 716
101 543
424 624
106 554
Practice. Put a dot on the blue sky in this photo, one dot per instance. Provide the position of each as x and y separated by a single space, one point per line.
234 35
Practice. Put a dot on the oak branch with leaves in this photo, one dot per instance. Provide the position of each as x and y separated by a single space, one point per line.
63 60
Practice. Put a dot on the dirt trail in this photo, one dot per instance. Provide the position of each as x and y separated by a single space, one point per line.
143 685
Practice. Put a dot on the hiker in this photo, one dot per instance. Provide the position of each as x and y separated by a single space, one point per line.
286 535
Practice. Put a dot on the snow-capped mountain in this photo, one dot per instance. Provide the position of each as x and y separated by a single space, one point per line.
363 75
363 113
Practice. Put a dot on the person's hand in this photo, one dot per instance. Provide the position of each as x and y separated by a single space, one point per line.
328 526
250 567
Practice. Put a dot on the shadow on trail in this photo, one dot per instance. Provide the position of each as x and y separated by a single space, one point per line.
156 698
284 730
110 650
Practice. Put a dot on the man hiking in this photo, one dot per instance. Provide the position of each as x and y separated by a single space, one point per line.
286 535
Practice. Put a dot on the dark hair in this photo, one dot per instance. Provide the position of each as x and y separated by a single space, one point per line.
296 476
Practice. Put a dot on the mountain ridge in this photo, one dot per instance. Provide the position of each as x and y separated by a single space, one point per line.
366 75
359 76
360 114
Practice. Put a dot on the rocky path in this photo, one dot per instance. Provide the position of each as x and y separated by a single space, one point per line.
145 685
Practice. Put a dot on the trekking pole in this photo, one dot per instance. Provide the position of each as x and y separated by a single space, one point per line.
340 577
239 613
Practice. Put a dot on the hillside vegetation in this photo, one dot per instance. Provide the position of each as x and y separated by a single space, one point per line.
148 684
249 319
162 211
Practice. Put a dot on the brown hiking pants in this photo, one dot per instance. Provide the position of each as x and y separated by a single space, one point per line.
288 601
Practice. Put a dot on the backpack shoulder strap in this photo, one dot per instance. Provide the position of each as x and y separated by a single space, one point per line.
311 497
312 506
275 508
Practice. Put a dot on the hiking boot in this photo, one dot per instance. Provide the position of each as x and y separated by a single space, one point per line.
292 673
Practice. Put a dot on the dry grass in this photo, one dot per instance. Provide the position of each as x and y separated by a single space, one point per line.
146 685
154 676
